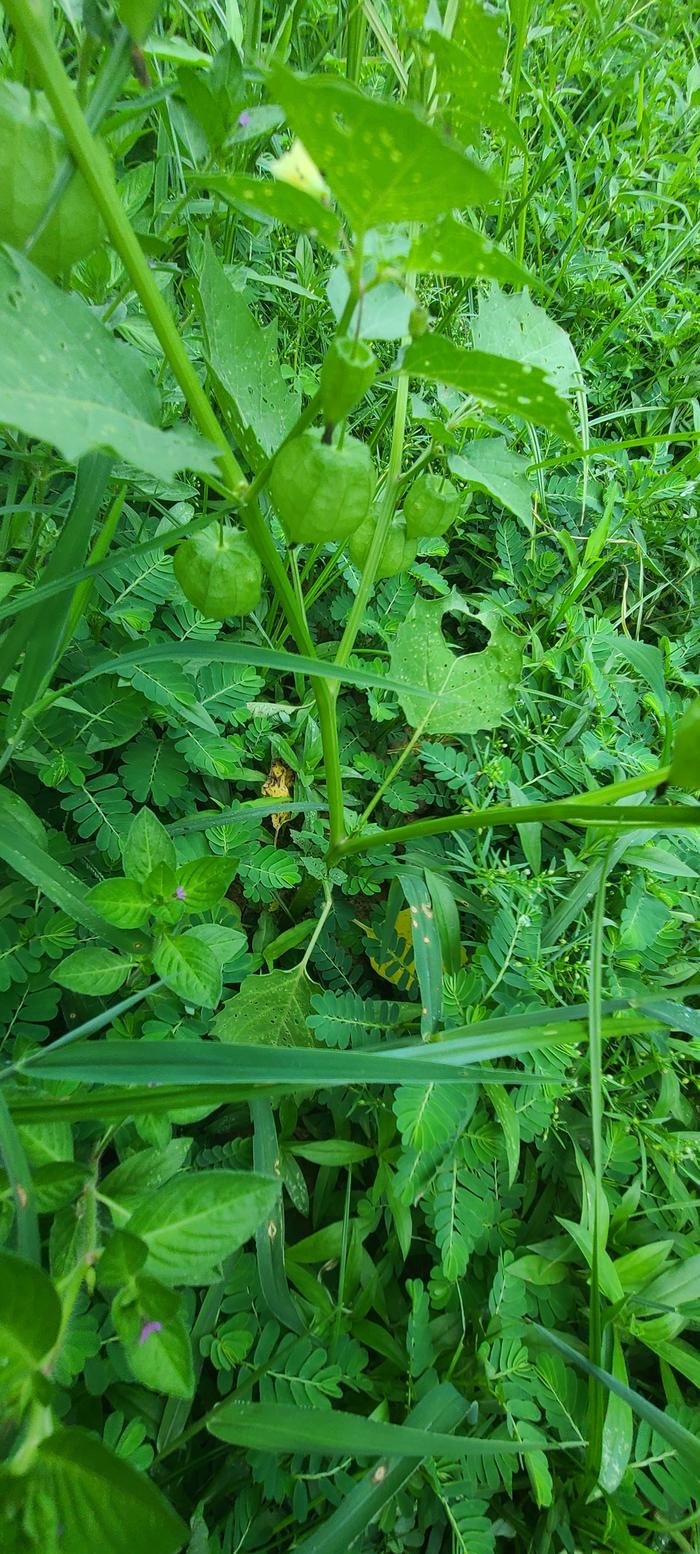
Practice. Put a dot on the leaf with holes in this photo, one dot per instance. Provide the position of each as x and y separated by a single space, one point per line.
472 692
515 328
272 1010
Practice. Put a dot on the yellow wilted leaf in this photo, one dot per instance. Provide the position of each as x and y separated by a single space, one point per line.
399 966
279 785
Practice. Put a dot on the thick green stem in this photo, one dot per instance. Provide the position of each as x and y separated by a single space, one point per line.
28 19
386 514
659 817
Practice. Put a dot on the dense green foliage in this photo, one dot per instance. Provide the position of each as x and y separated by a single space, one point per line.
348 655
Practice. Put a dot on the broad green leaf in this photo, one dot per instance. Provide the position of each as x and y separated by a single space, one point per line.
275 1427
147 845
243 358
138 17
215 95
30 1320
492 466
98 1500
281 202
472 692
66 380
203 882
516 328
272 1009
196 1219
121 902
449 247
618 1429
123 1256
92 971
382 162
139 1175
190 968
676 1286
470 74
147 1319
511 387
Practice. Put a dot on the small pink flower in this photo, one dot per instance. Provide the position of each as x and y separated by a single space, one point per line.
147 1329
181 893
243 120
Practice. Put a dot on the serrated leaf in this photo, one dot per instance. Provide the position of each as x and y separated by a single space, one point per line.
156 1342
271 1010
92 972
147 845
121 902
66 380
472 692
204 881
196 1219
30 1319
515 327
95 1493
383 163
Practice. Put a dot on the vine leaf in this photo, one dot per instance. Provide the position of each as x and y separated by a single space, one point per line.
472 692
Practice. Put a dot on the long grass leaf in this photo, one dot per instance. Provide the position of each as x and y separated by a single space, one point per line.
275 1427
55 881
20 1179
687 1445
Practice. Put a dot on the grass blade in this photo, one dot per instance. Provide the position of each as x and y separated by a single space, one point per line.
55 881
269 1237
276 1427
687 1445
17 1167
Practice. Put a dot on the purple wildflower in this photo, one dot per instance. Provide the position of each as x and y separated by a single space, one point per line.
147 1329
181 893
243 120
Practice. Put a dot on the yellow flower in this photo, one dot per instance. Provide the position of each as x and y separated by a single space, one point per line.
297 168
